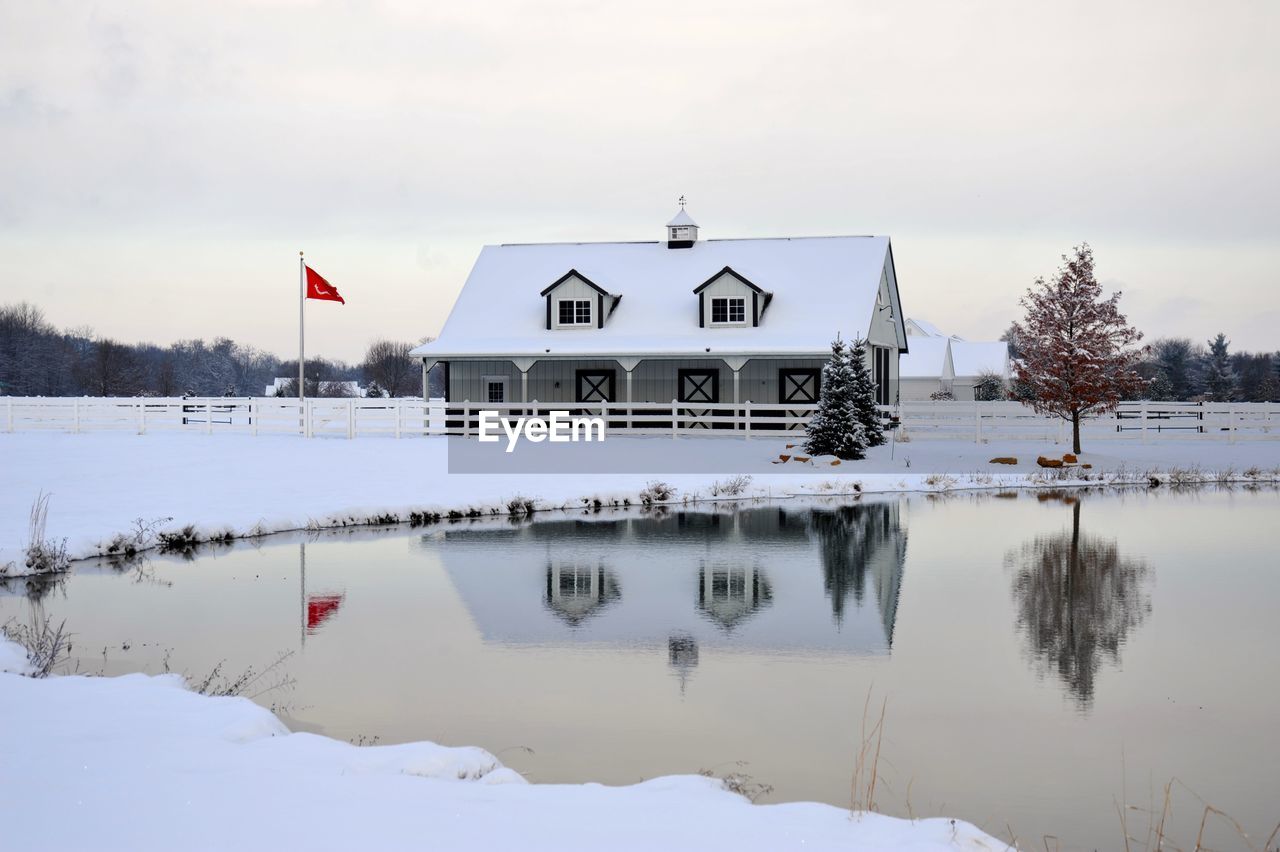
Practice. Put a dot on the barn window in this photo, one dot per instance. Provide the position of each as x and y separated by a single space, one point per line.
495 389
728 310
575 312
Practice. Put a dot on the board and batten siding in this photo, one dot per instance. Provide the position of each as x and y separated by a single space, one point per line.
653 380
759 379
466 379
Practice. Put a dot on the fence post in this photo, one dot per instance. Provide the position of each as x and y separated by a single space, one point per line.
399 410
308 427
466 418
351 419
604 415
1231 419
142 418
253 415
75 411
746 413
977 422
1143 414
675 421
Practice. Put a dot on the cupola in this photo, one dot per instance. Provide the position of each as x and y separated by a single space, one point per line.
682 231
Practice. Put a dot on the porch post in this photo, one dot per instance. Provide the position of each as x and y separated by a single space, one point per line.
628 400
524 365
628 364
736 363
737 374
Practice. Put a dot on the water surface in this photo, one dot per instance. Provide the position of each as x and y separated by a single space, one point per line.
1037 653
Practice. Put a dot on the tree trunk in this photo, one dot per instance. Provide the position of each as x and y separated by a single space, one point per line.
1075 431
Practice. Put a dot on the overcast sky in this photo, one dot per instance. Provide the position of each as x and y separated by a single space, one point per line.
162 163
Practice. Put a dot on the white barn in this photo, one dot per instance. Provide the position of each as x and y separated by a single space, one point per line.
684 319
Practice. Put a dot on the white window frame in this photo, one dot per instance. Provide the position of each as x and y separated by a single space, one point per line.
728 311
575 323
505 381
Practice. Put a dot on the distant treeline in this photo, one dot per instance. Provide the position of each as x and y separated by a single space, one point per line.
1179 369
37 359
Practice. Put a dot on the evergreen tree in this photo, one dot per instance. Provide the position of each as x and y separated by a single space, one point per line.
834 429
864 395
989 387
1159 389
1219 377
1177 358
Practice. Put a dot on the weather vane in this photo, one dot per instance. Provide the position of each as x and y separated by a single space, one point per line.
682 202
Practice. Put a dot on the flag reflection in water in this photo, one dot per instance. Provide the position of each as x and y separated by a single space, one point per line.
320 608
316 609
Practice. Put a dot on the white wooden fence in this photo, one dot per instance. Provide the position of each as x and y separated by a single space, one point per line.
351 418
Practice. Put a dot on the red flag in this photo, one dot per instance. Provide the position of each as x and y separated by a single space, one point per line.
318 288
320 608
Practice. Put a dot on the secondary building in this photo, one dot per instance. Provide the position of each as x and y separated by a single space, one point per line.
940 365
682 319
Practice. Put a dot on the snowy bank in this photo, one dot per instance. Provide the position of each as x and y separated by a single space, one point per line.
103 483
140 763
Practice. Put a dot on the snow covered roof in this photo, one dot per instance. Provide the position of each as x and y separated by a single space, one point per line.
682 219
821 286
973 357
922 328
928 359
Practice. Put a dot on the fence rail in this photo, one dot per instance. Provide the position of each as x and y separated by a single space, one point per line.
402 418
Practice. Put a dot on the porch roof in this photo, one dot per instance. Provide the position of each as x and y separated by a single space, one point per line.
692 354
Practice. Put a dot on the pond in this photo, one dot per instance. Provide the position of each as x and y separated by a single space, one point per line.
1036 655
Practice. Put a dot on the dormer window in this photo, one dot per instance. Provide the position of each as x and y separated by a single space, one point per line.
728 311
574 301
728 299
575 311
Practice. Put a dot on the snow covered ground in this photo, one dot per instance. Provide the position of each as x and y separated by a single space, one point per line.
140 763
102 483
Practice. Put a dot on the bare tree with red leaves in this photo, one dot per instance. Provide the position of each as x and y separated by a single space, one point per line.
1078 353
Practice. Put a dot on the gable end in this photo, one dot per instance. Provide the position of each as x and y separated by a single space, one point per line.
573 273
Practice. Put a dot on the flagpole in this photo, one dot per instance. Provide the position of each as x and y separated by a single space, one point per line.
302 302
302 590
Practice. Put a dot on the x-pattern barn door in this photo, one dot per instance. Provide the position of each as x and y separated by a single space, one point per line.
595 385
698 386
801 386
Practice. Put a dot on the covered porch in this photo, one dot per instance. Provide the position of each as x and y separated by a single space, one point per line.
640 393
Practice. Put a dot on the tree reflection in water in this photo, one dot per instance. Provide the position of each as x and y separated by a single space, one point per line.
854 541
1077 601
